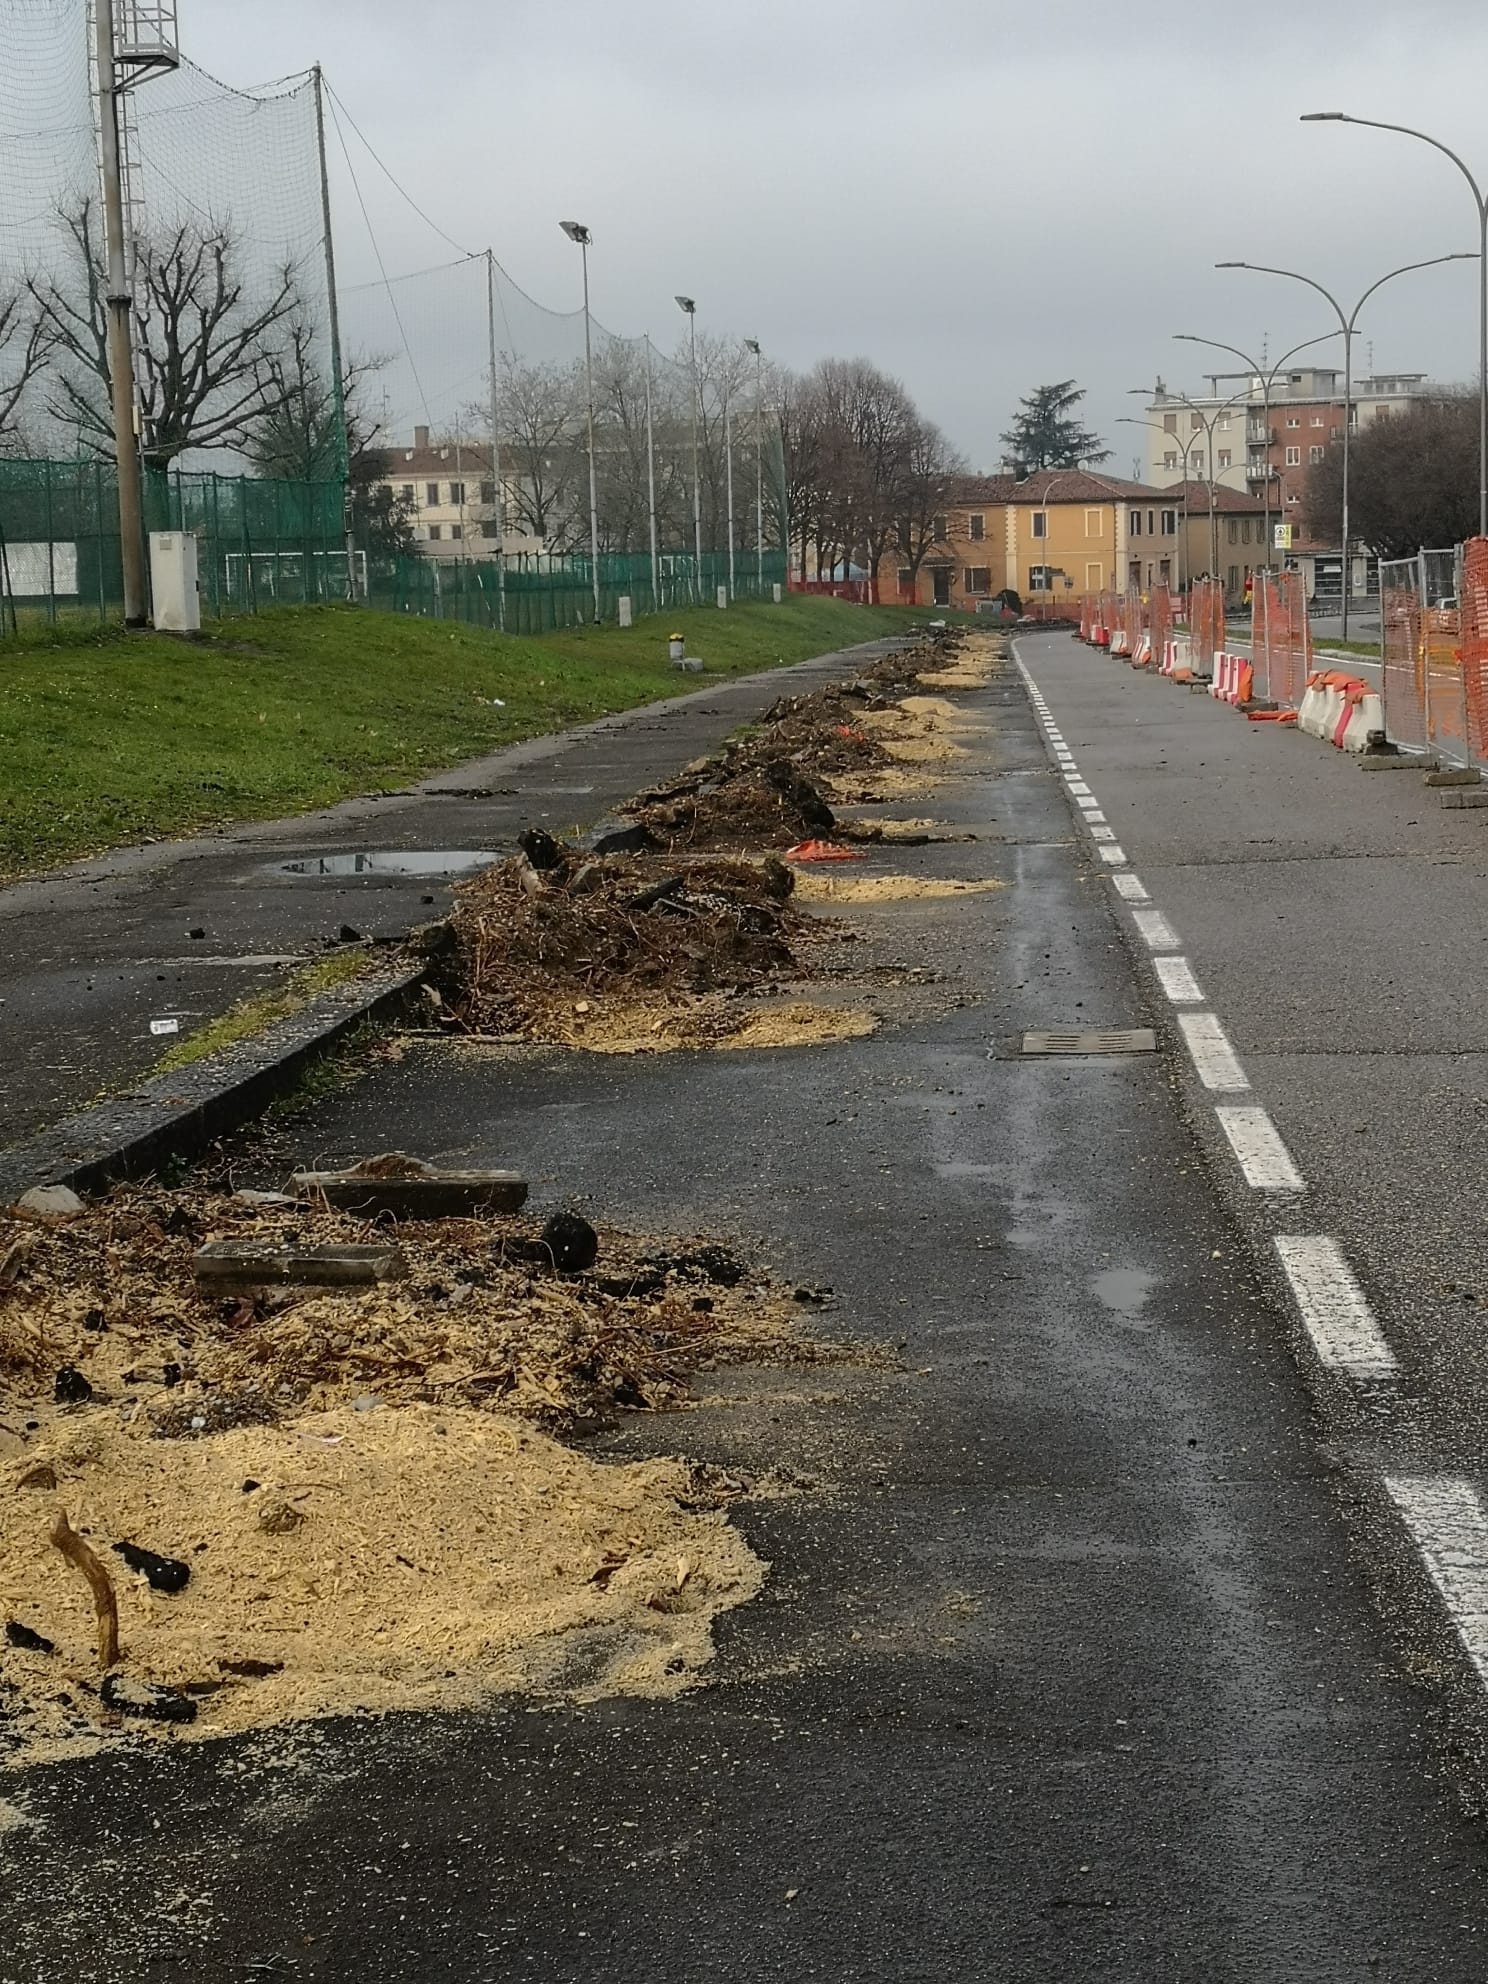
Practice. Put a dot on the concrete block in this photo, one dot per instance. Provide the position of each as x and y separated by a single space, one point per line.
425 1194
1393 761
1473 796
1455 775
248 1263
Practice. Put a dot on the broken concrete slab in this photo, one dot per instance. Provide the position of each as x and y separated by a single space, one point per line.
247 1263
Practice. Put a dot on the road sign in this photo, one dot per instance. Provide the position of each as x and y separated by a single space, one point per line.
1281 537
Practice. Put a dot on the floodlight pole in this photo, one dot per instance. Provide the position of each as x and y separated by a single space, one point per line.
753 344
338 376
577 232
496 440
120 356
651 485
728 455
686 303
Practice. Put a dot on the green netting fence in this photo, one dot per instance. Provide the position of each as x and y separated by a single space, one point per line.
260 542
534 594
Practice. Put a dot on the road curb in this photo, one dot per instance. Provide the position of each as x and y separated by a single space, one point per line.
176 1116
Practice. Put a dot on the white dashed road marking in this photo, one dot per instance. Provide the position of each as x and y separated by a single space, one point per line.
1116 856
1131 888
1446 1518
1175 975
1215 1059
1155 930
1259 1150
1333 1306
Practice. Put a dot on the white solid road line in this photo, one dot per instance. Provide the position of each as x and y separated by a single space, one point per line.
1446 1518
1132 888
1115 856
1215 1059
1155 930
1262 1156
1175 975
1334 1308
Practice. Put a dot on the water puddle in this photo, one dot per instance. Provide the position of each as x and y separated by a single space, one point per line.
393 862
1124 1290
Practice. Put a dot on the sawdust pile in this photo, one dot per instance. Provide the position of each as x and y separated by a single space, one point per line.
888 888
363 1483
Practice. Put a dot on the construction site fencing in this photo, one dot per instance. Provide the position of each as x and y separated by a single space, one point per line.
538 594
1423 649
260 541
1281 640
1206 624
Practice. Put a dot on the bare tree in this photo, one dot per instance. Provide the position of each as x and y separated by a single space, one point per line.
25 346
931 464
211 359
542 452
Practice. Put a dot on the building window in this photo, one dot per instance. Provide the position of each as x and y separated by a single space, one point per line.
1170 423
1234 581
1294 420
1196 423
938 529
1092 523
1294 457
406 492
1225 458
1040 579
978 578
1170 459
1334 433
457 494
488 492
1233 531
1316 421
977 527
457 530
1245 530
906 579
1170 523
1152 523
1315 454
431 495
435 533
1134 523
1166 569
490 528
1040 523
1196 461
1223 423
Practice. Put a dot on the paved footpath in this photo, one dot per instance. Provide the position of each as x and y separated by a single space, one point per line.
91 953
1073 1664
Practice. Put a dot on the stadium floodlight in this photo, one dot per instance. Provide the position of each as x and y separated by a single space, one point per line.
577 232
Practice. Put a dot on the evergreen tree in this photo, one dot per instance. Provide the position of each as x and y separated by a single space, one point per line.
1044 433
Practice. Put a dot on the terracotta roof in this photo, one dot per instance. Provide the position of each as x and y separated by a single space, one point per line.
1050 486
1227 501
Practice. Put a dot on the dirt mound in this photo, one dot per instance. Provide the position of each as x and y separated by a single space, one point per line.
532 951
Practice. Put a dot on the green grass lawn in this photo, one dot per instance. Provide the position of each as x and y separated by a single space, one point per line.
108 738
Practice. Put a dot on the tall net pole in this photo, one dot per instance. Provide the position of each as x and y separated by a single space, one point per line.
119 301
651 486
338 377
496 490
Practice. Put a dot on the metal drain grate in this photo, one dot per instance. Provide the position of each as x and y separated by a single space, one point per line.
1109 1040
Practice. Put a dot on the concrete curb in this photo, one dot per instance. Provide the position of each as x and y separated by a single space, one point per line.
176 1116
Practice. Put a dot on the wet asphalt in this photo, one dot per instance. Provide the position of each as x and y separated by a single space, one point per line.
1071 1664
178 931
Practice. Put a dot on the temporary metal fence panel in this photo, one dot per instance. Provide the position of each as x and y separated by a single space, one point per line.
1402 655
1281 645
1441 657
1206 624
1160 613
1473 604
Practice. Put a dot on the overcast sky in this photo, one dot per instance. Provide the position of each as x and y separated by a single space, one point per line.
978 196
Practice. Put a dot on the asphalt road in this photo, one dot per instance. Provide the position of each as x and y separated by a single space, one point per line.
1073 1663
92 953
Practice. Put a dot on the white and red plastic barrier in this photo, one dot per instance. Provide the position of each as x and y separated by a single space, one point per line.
1143 655
1342 710
1177 661
1232 679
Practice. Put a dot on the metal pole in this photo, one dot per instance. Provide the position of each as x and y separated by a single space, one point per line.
759 470
728 450
589 379
697 471
496 440
651 487
120 357
1348 393
338 381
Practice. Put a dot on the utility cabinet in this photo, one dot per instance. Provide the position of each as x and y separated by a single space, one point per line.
173 581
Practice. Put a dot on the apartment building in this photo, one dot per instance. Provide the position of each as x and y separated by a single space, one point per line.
450 496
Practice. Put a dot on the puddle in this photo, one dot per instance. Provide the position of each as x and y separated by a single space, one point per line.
393 862
1124 1290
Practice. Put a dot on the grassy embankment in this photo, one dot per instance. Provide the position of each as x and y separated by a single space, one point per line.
108 739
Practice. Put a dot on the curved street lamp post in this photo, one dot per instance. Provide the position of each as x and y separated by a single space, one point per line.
1481 201
1348 322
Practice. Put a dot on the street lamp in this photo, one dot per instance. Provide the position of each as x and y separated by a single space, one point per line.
1268 380
1407 131
582 236
1130 420
685 303
752 344
1347 322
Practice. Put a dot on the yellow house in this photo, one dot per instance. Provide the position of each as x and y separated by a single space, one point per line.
1057 531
